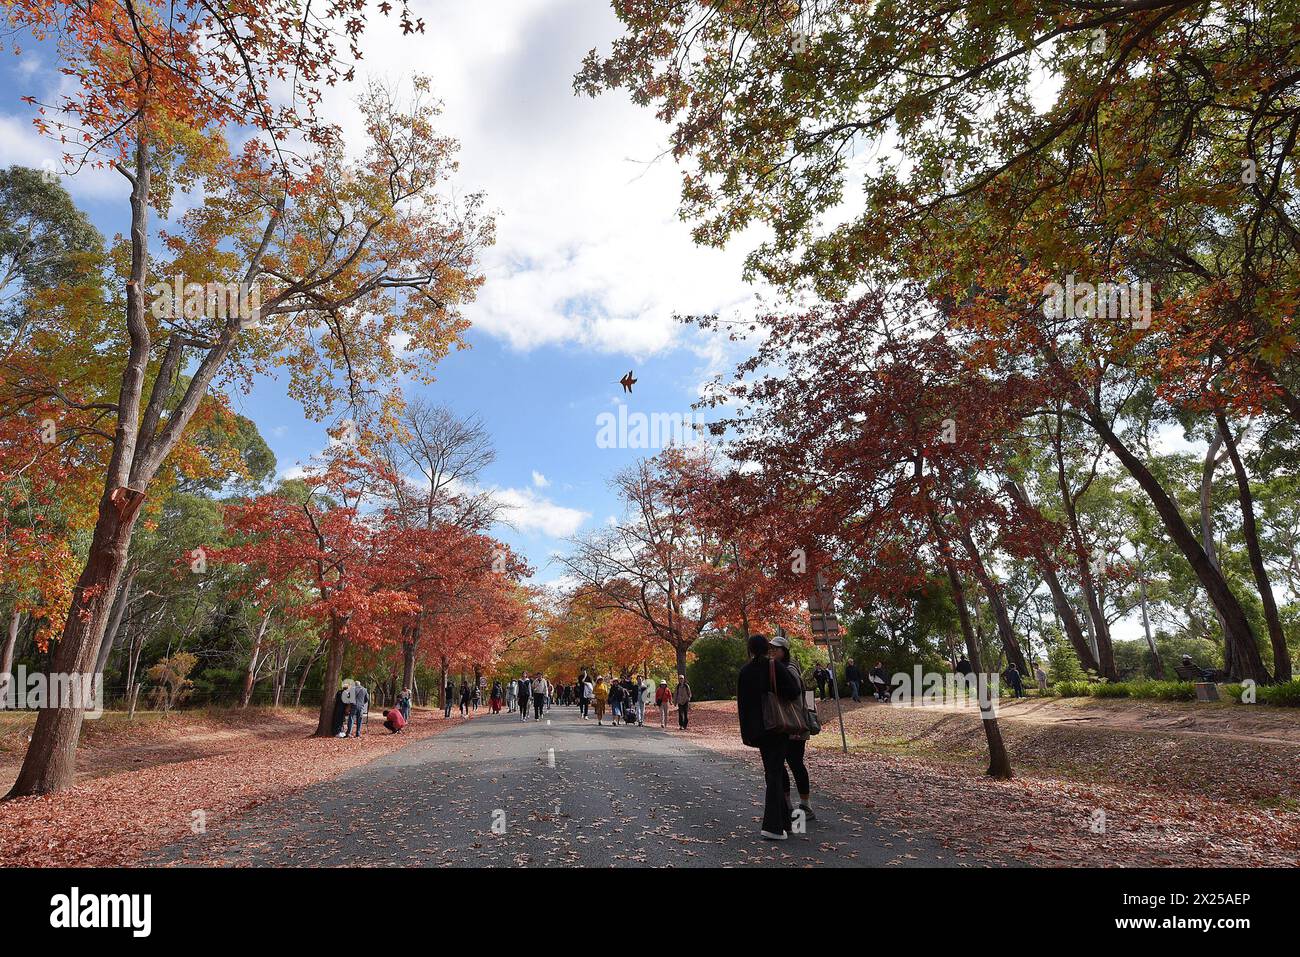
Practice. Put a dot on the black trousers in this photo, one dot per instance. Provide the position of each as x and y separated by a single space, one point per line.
538 701
776 814
683 715
794 758
586 705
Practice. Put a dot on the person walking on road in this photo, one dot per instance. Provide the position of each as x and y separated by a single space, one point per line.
1013 679
797 743
682 698
448 696
642 693
464 698
585 691
853 677
497 695
525 696
663 698
617 697
600 694
1041 676
404 705
757 678
539 696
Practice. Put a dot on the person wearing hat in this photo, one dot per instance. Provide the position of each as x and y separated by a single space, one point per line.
794 751
757 678
342 701
663 698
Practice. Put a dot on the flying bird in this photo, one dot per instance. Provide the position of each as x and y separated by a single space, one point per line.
627 381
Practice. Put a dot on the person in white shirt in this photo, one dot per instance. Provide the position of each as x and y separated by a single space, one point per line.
539 696
642 692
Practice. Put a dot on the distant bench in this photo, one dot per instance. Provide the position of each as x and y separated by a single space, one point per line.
1192 673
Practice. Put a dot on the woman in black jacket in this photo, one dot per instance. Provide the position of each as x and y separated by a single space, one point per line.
756 680
794 750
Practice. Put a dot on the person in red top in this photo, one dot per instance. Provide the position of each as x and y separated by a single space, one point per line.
394 721
663 698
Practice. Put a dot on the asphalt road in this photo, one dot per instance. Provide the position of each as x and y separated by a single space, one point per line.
497 792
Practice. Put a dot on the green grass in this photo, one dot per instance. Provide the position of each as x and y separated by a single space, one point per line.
1285 695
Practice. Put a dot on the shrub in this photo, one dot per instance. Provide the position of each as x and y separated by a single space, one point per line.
1232 692
171 682
1073 689
1063 665
1111 689
1284 695
1163 690
712 673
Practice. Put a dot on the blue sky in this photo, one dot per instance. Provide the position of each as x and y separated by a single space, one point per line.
591 262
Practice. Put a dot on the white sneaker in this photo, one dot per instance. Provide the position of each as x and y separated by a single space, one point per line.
341 734
768 835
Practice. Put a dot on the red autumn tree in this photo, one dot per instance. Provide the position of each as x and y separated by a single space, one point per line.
346 257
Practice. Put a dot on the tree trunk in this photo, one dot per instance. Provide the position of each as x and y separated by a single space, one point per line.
1068 620
1098 628
7 698
1250 531
408 657
1158 665
1005 632
1237 628
999 760
333 675
306 670
1207 535
681 657
50 762
281 673
115 618
250 676
1247 662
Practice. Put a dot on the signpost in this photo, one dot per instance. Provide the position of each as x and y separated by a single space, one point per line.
826 628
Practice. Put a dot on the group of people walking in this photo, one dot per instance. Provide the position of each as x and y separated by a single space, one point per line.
625 700
352 706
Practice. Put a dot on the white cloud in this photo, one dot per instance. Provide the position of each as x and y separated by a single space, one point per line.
589 247
540 480
527 511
